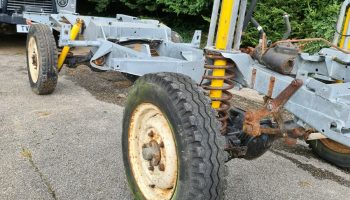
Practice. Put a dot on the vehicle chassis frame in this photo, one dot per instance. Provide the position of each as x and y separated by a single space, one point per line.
125 43
316 105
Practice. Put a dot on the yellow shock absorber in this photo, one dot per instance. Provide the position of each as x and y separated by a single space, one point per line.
73 35
344 36
222 38
345 30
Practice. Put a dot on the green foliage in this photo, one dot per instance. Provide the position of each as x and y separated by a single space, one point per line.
309 18
101 5
142 5
188 7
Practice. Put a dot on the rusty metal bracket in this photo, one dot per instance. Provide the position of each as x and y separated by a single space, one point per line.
251 125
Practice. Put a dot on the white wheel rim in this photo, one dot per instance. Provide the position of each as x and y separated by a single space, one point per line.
148 124
33 60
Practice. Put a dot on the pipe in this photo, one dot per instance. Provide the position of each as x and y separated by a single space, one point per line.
213 23
258 27
83 43
310 40
233 24
336 59
249 14
74 34
288 27
239 29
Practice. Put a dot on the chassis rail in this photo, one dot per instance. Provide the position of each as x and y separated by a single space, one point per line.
134 46
128 44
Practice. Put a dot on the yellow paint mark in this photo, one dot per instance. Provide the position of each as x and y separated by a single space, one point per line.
43 113
339 81
26 153
345 30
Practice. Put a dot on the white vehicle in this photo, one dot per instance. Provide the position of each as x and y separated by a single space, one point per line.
11 10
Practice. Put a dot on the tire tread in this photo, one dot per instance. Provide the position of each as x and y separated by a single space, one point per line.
48 57
202 130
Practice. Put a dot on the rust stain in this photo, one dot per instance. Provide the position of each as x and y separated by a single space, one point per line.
253 118
138 47
271 86
335 146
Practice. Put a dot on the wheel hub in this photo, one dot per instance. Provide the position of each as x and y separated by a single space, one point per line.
34 60
152 153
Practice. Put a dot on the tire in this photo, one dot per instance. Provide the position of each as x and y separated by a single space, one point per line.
176 37
132 78
42 59
332 152
192 130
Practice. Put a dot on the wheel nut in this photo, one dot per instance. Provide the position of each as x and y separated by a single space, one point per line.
161 145
152 186
161 167
151 168
151 134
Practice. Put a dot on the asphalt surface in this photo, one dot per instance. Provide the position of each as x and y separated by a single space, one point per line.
68 145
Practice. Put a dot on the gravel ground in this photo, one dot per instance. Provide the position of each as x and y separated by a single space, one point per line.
67 145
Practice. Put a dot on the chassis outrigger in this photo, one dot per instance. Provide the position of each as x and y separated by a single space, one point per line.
174 144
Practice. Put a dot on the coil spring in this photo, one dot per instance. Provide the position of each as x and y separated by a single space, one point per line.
223 115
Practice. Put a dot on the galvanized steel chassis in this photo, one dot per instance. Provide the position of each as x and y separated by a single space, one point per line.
129 45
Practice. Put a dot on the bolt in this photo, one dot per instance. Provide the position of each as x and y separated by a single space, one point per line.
151 168
151 134
161 145
161 167
152 186
270 106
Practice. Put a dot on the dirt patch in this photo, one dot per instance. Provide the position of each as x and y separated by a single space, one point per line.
111 87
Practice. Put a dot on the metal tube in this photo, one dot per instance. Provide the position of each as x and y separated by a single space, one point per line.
83 43
345 30
347 35
340 22
250 13
213 23
239 29
74 34
288 27
221 44
233 23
